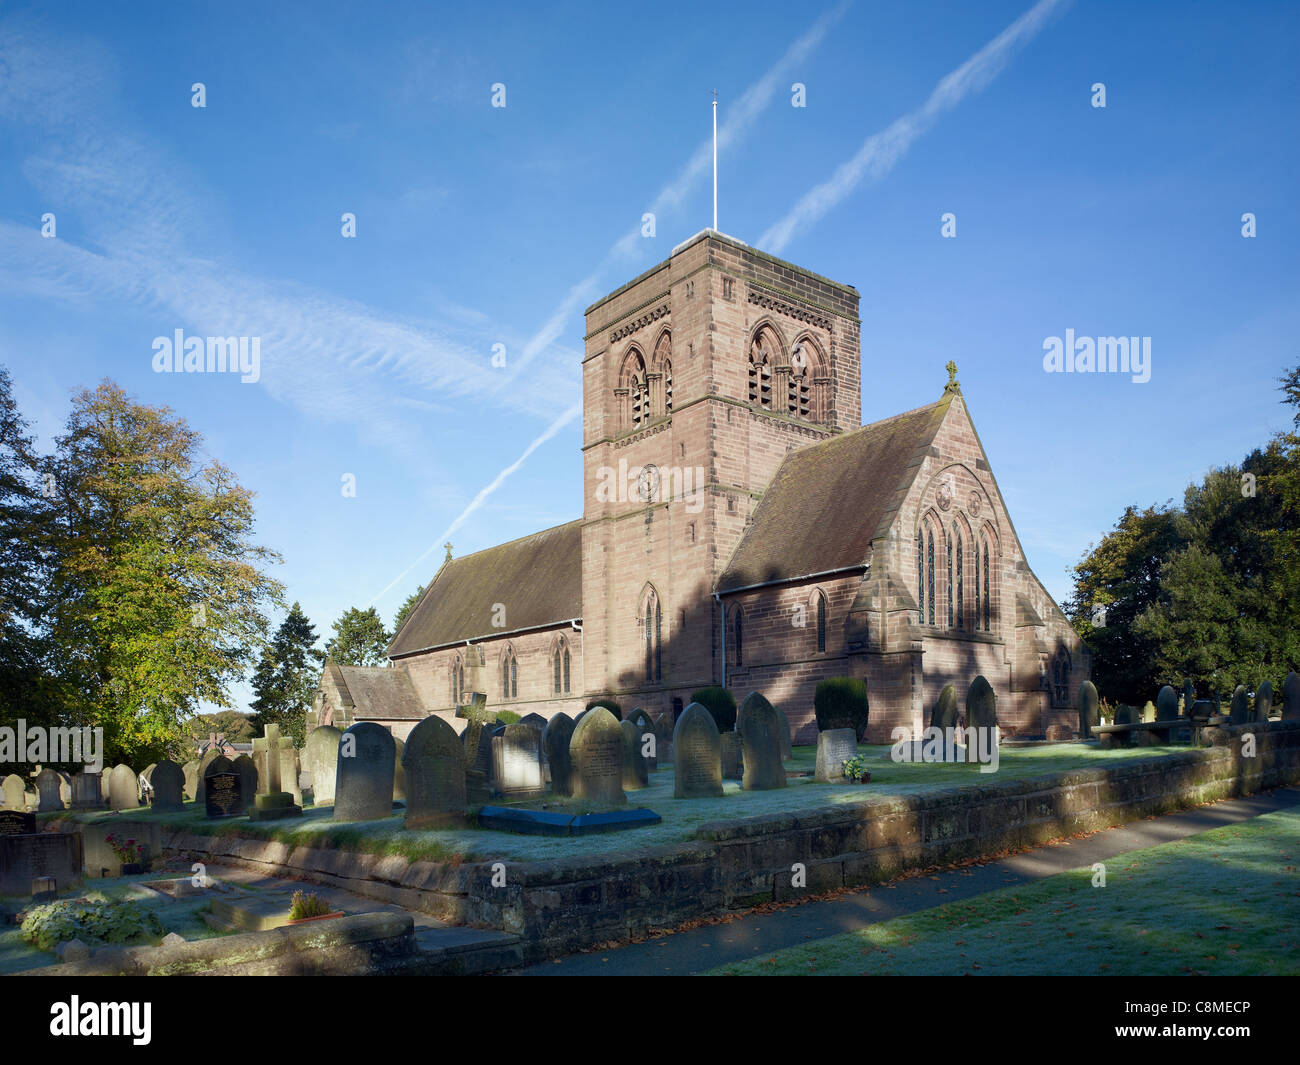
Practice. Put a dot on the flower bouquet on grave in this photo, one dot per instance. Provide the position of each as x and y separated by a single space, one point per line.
308 906
129 854
855 769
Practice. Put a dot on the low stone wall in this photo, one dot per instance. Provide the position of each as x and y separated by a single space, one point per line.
560 906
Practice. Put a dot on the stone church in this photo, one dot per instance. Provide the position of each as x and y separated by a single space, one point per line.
740 527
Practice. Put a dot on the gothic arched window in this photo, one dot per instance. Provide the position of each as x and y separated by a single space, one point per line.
920 576
961 581
738 627
1061 678
986 586
510 675
632 379
457 681
951 586
821 622
762 357
929 574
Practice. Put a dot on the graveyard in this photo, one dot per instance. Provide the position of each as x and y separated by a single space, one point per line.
512 841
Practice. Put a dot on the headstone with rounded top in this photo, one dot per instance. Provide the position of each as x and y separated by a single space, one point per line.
783 734
981 705
222 796
944 714
434 762
168 782
320 756
1239 711
596 750
47 791
665 751
759 728
517 760
399 774
15 792
534 720
191 771
645 724
123 788
1089 709
555 742
732 755
1291 697
247 770
363 781
836 746
697 754
635 767
209 756
1167 704
1263 701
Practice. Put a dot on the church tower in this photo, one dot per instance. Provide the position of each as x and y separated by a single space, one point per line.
699 377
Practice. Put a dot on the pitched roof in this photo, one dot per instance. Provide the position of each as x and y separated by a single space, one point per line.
378 694
826 503
537 578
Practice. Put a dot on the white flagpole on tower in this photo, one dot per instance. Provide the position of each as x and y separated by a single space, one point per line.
715 160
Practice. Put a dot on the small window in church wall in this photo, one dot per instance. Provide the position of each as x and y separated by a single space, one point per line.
739 625
567 688
986 586
961 586
821 622
951 586
929 574
556 666
920 576
514 677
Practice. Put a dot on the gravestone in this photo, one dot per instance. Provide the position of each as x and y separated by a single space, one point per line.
697 753
1089 707
222 796
759 728
290 769
1263 701
477 742
86 793
320 756
1149 711
47 790
533 720
168 786
1167 704
944 714
787 748
191 771
636 770
65 790
1291 697
399 774
363 781
123 788
247 770
596 751
17 823
15 792
1189 696
210 756
434 763
1239 711
517 761
27 857
836 746
732 756
271 802
664 740
555 742
645 725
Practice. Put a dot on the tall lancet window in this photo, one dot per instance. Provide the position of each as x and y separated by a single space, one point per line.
961 586
920 576
986 586
929 573
951 586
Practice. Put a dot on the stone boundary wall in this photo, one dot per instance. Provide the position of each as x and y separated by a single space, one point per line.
561 906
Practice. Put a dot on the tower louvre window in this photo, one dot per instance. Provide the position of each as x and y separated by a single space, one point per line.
668 387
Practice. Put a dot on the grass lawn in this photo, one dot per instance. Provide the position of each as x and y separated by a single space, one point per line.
681 817
1222 903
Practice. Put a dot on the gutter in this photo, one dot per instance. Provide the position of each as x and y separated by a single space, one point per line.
791 580
496 634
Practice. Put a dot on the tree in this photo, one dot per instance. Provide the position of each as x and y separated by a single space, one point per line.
156 601
359 639
285 681
404 611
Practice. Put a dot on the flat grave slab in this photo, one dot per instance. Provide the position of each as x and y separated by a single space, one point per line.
547 823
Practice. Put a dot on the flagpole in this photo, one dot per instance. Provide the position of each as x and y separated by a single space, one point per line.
715 160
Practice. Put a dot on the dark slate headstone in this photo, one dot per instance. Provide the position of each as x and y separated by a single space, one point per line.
1263 701
17 823
636 772
615 821
555 742
168 781
944 714
836 746
732 762
211 756
47 790
1167 704
1239 713
123 788
596 750
534 720
664 750
28 857
524 822
981 704
222 796
320 757
517 761
697 753
434 761
759 728
645 725
363 780
1291 697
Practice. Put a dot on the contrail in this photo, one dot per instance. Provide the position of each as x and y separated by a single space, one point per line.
484 492
882 150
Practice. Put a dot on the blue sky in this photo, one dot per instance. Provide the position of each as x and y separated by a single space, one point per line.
479 226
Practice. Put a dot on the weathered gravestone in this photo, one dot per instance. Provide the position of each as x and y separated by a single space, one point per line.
555 742
1189 696
168 786
1167 704
785 735
981 705
27 857
15 792
1263 701
248 777
732 764
47 790
476 739
320 756
363 781
596 750
517 760
944 714
17 823
664 733
434 763
85 791
635 768
533 720
191 771
759 727
123 788
645 726
836 746
210 756
399 774
272 802
1089 706
290 769
697 754
65 789
222 796
1239 711
1291 697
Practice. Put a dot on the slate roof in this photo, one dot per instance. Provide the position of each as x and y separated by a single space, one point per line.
378 694
826 502
538 578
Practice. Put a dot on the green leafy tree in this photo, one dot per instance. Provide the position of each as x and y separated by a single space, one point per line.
284 683
157 596
404 611
359 639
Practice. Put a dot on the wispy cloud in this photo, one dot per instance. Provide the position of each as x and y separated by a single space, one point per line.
881 151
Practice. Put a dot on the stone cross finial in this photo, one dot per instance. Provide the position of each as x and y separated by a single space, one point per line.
953 385
447 545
